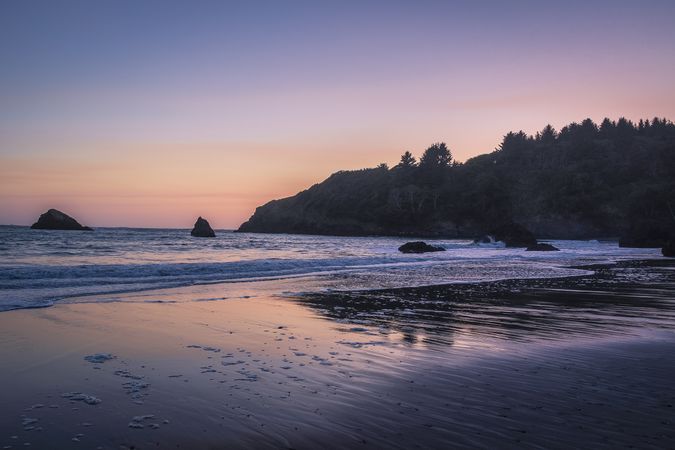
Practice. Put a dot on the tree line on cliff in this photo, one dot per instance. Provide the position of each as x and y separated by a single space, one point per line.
586 180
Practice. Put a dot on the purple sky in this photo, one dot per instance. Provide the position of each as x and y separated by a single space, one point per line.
151 113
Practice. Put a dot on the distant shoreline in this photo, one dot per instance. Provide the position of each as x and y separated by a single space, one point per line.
226 230
365 235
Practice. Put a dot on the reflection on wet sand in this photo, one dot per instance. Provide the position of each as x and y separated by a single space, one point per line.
622 299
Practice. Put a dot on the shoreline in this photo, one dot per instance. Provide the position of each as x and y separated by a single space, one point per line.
468 236
288 279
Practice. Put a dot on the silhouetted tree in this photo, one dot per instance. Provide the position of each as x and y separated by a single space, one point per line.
607 128
625 129
438 155
548 135
647 126
589 127
625 124
514 142
407 161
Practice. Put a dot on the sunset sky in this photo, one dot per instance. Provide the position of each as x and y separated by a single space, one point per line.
150 113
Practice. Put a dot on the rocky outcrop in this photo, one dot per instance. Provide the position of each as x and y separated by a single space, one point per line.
645 234
202 229
419 247
513 235
57 220
542 247
669 248
354 203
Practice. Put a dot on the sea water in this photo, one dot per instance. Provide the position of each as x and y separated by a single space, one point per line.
40 267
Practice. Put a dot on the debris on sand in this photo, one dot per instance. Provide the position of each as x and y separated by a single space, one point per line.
80 397
99 358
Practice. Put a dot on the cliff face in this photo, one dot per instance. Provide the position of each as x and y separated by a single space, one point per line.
585 182
363 203
356 203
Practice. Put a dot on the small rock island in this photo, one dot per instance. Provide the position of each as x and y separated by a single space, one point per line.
57 220
202 228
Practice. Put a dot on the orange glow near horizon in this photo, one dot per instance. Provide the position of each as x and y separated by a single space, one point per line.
170 184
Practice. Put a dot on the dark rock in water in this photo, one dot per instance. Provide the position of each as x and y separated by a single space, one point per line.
644 241
487 239
541 247
669 249
514 235
419 247
56 220
645 234
202 229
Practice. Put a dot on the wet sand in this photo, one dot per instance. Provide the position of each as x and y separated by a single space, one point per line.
579 362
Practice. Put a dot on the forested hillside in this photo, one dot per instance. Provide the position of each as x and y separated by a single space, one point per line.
585 181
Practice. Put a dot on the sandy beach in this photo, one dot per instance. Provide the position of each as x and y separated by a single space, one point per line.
522 364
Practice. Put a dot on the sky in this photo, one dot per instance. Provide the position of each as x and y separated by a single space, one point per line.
151 113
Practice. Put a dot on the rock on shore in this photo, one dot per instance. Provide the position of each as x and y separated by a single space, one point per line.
669 249
512 234
57 220
541 247
202 229
419 247
645 234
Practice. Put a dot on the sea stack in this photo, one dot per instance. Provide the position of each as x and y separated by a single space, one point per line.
202 229
56 220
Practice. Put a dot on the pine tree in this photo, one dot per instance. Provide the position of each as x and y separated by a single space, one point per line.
548 135
407 160
438 155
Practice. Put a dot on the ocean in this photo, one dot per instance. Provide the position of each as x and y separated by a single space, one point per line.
39 268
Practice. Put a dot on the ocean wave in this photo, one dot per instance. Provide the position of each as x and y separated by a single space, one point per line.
40 269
